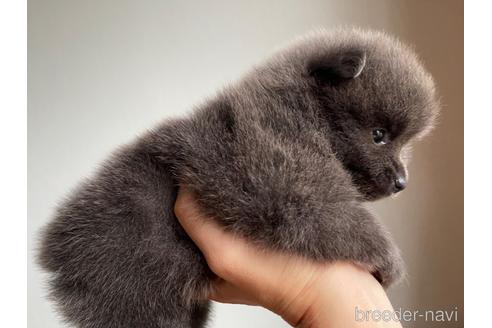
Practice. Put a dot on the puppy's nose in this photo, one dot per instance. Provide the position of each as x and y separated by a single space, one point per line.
400 183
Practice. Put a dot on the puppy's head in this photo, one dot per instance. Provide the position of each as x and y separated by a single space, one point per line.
374 98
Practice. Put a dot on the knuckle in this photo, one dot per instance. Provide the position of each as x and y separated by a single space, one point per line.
180 208
216 265
225 262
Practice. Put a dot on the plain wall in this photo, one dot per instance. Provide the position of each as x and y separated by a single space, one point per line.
102 71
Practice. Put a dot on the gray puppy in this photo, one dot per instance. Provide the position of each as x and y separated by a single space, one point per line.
284 157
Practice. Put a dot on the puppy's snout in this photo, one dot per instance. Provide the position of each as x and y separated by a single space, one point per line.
400 183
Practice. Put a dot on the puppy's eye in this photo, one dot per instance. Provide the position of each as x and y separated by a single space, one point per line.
379 136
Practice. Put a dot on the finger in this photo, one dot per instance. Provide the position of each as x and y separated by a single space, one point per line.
229 256
225 292
204 232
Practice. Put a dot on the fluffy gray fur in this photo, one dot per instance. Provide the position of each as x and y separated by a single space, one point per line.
284 157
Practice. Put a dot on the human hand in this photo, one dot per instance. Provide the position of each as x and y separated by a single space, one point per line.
302 292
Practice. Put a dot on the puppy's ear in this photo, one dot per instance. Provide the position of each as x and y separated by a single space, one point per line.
345 65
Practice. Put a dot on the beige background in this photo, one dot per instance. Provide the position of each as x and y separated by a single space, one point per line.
102 71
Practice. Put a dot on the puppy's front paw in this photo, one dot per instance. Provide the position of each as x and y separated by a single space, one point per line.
386 263
359 237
